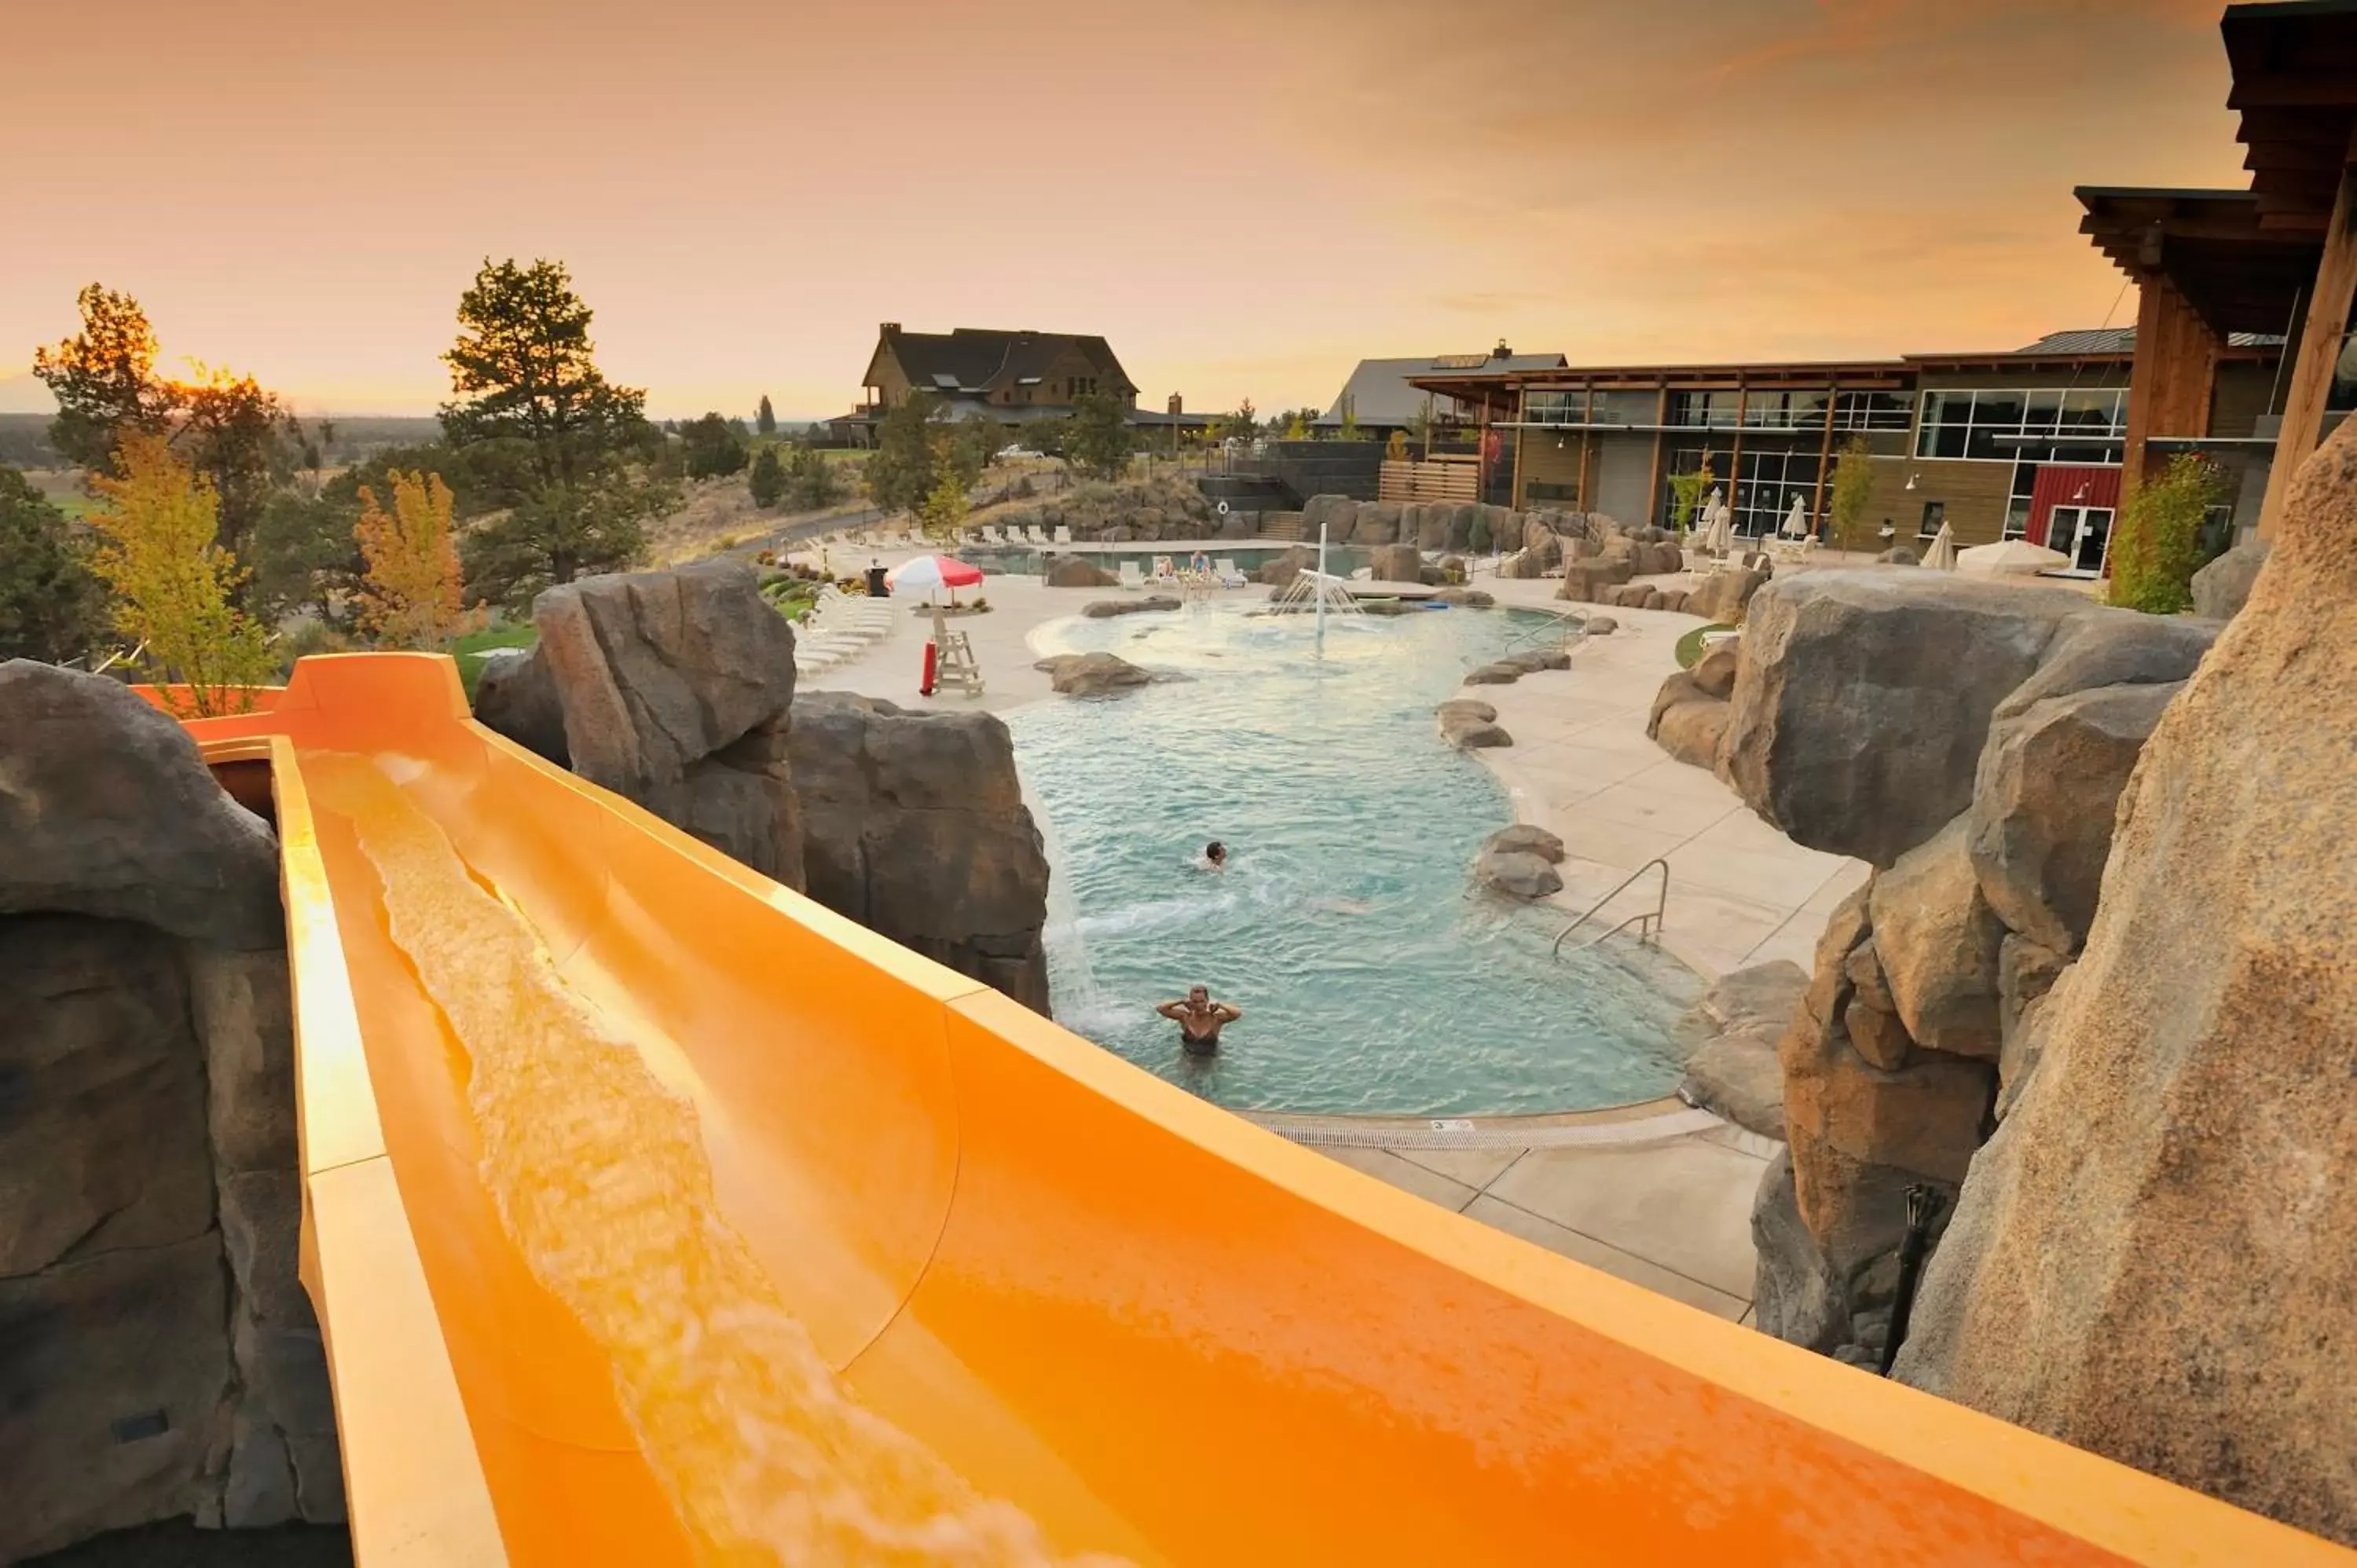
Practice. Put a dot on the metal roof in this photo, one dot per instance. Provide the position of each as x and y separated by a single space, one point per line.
1380 392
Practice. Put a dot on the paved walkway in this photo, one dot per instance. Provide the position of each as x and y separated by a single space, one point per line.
1658 1195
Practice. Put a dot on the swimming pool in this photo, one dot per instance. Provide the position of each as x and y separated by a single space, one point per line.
1373 979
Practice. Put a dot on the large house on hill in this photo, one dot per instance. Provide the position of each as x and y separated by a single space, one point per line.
1013 377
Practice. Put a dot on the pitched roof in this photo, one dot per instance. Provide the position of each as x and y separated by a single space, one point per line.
973 358
2086 340
1380 393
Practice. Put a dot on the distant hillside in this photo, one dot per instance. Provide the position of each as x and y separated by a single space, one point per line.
25 441
24 437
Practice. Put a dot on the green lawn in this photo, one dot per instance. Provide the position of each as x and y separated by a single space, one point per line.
468 650
1689 646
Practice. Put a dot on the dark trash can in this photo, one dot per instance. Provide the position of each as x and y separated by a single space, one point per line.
875 588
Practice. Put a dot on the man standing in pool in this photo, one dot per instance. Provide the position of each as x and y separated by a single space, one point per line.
1200 1020
1215 857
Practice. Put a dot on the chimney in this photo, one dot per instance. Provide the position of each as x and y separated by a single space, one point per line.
889 329
1501 351
1177 404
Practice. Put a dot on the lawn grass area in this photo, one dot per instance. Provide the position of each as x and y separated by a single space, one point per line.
1689 649
468 650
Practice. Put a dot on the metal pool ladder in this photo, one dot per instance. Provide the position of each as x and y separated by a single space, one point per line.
1647 921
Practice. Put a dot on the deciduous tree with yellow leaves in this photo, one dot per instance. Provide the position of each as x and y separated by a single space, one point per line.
173 581
411 595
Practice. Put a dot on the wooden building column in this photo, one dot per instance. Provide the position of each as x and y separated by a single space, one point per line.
2319 344
2171 378
1824 458
1734 458
1587 448
1653 479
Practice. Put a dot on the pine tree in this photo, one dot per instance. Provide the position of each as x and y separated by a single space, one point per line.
767 478
173 582
766 421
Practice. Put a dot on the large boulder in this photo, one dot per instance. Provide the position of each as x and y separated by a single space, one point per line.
1378 523
1471 725
1104 609
108 809
1725 596
1860 1132
1863 699
1460 525
1736 1023
1397 564
1714 672
515 695
2220 589
914 825
1471 598
1072 572
2151 1260
1432 520
157 1356
1936 939
1518 873
1687 720
2041 824
1092 674
1339 515
675 687
1586 581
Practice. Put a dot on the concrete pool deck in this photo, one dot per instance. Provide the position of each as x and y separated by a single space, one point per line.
1658 1194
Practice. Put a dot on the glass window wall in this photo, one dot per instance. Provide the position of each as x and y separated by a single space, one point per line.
2078 424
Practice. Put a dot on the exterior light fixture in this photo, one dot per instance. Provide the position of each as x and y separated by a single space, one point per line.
1910 481
2081 493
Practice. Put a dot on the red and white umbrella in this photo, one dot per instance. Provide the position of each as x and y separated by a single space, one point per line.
926 574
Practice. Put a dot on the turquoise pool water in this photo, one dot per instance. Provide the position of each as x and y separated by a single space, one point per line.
1372 980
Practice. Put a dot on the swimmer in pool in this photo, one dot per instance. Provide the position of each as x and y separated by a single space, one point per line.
1215 857
1200 1020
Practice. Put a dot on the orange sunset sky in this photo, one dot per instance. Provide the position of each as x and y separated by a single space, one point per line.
1245 198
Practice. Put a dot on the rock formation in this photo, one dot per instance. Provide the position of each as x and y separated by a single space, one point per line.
1735 1026
1520 861
1469 726
157 1356
1968 739
1092 674
1398 564
675 688
914 825
2220 589
2151 1258
1072 572
1725 596
1101 609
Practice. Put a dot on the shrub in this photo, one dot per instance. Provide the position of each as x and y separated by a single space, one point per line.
2158 544
768 480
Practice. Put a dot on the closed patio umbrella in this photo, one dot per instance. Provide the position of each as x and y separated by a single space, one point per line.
1942 557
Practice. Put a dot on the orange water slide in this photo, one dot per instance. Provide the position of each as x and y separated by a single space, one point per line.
656 1215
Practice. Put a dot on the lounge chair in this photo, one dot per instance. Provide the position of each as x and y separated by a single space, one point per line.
1035 534
1063 533
1363 574
1127 571
1164 571
1225 568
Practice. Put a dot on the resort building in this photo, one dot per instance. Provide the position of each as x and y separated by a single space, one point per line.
2241 352
1013 377
1384 396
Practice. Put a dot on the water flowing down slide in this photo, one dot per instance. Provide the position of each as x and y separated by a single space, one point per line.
656 1215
